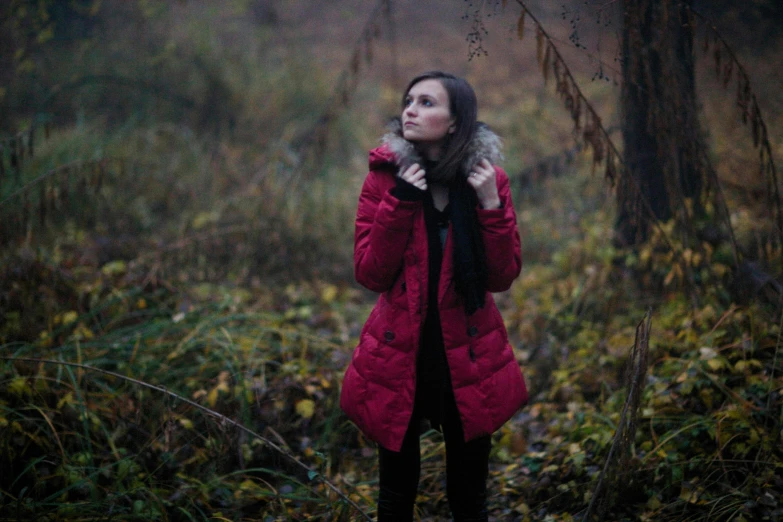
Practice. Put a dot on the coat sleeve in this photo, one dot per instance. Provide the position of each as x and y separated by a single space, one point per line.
383 227
501 238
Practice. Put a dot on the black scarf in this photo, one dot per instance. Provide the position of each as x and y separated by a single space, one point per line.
469 257
470 262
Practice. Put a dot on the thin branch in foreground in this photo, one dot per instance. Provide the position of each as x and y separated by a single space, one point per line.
311 473
626 428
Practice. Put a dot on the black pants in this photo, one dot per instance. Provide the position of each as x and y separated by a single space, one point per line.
467 467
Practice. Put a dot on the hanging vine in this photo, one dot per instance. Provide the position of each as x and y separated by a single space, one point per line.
728 68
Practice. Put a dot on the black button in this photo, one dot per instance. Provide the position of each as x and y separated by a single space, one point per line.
472 331
402 286
388 336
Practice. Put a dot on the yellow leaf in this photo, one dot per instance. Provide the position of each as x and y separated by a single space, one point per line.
65 401
44 340
19 386
68 317
81 332
212 397
305 408
203 219
186 423
114 268
329 293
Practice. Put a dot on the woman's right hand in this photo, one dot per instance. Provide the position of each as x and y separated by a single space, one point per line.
415 176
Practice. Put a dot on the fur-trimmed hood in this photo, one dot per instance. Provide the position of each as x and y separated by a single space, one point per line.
485 145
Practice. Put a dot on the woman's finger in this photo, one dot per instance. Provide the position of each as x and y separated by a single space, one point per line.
415 175
409 171
484 167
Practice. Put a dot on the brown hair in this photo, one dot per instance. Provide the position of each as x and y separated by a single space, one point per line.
463 106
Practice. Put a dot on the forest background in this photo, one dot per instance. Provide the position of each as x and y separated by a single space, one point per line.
177 305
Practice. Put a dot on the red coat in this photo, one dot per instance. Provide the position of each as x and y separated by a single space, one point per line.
390 257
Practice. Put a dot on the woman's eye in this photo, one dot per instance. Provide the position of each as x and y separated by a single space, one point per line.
427 103
408 101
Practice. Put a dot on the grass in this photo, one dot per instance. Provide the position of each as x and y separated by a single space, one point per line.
127 431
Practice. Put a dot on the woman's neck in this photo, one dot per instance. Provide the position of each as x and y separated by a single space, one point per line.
431 152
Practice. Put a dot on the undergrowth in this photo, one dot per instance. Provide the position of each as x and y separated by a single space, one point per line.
79 443
173 338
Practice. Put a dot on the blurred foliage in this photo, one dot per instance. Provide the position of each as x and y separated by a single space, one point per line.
212 261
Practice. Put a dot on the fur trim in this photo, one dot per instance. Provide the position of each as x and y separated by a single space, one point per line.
485 144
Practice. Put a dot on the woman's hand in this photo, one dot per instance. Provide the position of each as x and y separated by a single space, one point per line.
482 179
415 176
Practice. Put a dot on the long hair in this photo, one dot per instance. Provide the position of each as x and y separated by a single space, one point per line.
470 264
463 107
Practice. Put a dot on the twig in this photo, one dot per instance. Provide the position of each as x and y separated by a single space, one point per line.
626 430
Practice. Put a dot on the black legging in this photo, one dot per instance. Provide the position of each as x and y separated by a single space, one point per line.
467 467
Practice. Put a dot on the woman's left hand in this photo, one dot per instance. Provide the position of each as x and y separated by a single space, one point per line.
482 179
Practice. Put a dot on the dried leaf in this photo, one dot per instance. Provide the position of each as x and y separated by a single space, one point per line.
611 172
754 122
727 71
717 56
540 45
520 24
545 64
355 62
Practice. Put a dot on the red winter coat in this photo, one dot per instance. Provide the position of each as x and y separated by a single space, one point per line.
390 257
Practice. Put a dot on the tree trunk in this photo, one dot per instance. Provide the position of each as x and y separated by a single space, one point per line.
662 142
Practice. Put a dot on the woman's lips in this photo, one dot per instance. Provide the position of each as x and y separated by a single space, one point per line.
409 123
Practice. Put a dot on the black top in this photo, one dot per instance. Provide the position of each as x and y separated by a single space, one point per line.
432 374
433 381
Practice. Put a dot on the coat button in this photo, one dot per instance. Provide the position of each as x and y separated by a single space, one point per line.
388 336
402 286
472 331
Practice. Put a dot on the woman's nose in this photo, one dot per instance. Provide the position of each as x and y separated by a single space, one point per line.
410 110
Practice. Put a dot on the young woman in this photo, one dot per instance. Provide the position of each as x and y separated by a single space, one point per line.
435 234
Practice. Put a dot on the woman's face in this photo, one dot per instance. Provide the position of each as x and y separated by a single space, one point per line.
426 117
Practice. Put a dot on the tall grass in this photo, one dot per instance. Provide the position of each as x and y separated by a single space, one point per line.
80 443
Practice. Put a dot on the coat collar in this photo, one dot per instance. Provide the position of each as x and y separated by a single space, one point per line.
485 145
